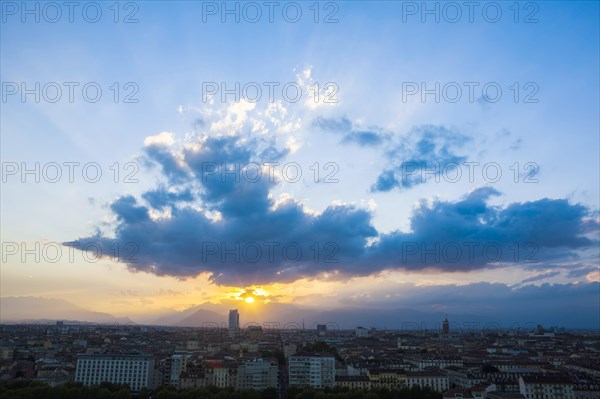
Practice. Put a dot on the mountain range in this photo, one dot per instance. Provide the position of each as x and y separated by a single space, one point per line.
279 315
34 309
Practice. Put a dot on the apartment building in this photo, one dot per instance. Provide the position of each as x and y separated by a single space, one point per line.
134 370
314 370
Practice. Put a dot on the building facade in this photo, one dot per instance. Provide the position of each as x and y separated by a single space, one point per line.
222 374
315 371
436 380
361 332
353 382
258 374
386 378
234 322
177 364
546 387
133 370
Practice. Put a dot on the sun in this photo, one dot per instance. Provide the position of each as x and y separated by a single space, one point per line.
249 300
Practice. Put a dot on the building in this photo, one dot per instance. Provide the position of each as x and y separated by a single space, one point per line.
6 352
586 391
177 365
361 332
289 350
353 382
133 370
478 391
221 374
423 362
457 393
446 327
434 379
192 378
465 377
386 378
192 345
258 374
312 370
546 387
504 395
321 329
254 332
234 322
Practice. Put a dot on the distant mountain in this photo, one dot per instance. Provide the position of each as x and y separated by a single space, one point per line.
192 317
202 318
172 318
250 314
277 315
29 309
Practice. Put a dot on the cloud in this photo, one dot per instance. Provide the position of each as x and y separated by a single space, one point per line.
425 151
228 224
234 118
580 272
470 234
350 135
161 197
128 212
540 276
128 293
363 138
159 151
336 125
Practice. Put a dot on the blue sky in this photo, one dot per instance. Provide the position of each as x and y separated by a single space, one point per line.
373 54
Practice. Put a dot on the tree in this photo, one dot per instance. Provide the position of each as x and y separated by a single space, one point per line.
144 393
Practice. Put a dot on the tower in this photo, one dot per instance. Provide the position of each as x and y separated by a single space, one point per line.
234 322
446 326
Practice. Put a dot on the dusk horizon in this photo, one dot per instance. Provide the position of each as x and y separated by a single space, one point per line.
16 310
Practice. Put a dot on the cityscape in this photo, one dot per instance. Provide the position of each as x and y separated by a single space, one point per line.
294 361
310 199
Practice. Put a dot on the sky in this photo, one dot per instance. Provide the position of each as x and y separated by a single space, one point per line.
385 154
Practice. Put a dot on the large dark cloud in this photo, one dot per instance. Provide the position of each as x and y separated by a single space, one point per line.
229 225
469 234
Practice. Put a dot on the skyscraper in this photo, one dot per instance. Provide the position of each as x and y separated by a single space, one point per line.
446 327
234 322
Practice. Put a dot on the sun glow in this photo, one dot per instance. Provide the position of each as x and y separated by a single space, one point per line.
249 300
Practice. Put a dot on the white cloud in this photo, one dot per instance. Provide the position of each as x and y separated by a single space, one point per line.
235 117
163 139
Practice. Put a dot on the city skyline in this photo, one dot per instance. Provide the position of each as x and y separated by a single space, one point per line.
122 360
354 163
